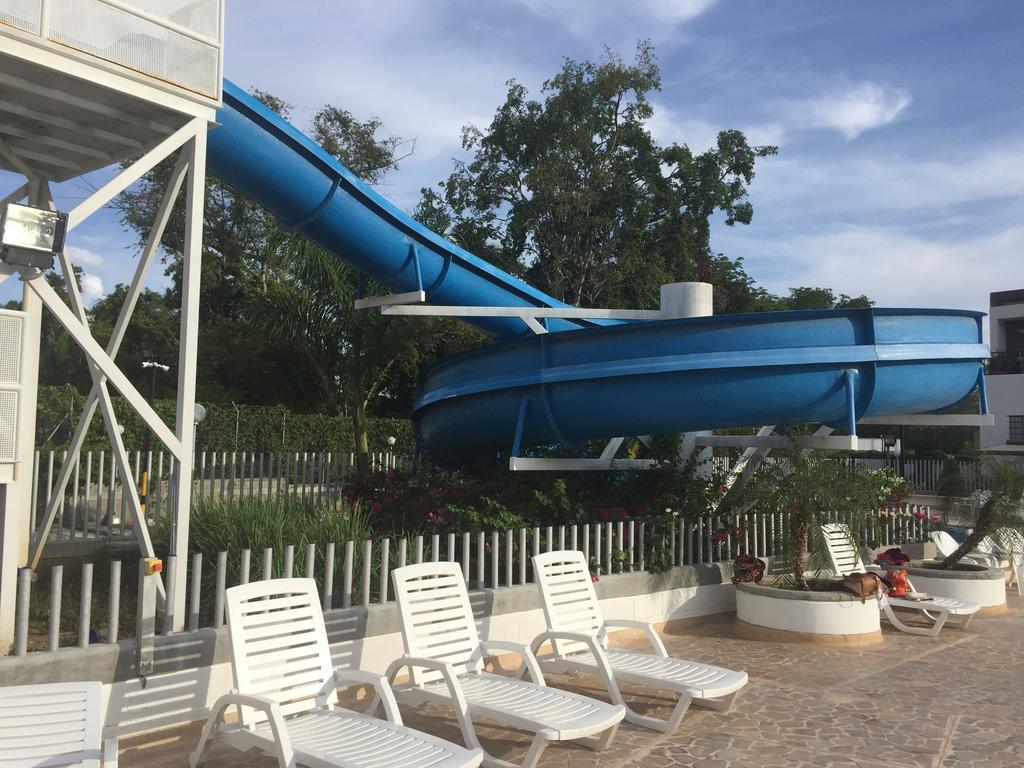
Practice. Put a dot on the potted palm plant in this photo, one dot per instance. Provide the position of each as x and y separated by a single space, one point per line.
805 489
995 521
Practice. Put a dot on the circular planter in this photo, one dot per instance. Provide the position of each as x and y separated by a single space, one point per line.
825 617
973 583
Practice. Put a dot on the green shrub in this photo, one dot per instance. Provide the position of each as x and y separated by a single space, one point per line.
231 525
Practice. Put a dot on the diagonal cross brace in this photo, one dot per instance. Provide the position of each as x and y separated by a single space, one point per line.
99 389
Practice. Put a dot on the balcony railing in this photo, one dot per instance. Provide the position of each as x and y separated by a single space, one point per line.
175 41
1006 362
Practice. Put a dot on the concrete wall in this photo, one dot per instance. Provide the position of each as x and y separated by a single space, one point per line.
1005 398
193 669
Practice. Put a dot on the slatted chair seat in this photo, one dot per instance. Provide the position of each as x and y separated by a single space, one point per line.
845 558
578 638
286 692
53 726
703 681
446 664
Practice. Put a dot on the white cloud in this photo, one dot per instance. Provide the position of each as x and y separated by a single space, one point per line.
897 267
852 184
667 127
851 110
585 20
83 257
92 289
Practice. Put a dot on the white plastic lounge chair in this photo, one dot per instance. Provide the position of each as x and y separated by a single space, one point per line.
446 664
1006 549
938 610
57 724
579 643
947 545
286 692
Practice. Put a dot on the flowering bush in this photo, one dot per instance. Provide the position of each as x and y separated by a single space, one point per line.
892 489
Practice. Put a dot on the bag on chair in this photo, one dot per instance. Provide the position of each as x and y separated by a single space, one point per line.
748 568
864 585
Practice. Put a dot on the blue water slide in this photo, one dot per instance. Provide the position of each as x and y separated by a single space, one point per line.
594 379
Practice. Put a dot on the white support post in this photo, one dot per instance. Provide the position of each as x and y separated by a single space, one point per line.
690 300
16 497
188 353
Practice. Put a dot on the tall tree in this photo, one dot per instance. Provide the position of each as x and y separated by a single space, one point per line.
577 192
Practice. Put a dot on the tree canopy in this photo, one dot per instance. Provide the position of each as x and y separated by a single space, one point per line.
574 192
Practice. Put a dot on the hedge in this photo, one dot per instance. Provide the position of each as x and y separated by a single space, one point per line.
226 428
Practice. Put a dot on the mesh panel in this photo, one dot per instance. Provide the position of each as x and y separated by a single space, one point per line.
201 16
23 14
10 349
120 37
8 425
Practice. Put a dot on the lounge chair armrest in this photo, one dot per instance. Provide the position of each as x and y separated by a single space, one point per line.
266 705
646 626
345 677
525 653
110 752
454 690
446 670
603 667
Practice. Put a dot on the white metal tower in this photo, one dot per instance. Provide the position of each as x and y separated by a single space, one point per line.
86 84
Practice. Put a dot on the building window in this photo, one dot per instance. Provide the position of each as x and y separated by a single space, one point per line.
1016 429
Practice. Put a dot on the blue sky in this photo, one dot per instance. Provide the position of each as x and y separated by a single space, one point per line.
901 164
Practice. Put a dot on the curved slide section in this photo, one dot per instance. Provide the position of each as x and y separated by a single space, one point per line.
270 161
596 382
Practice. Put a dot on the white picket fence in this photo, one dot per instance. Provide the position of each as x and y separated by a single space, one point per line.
354 573
95 505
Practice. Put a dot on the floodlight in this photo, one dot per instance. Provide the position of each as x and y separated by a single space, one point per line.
31 237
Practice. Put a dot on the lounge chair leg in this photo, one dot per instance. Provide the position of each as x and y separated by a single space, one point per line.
723 704
600 742
197 757
540 743
657 724
605 739
932 631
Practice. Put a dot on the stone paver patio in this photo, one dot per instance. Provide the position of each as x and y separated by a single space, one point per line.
910 702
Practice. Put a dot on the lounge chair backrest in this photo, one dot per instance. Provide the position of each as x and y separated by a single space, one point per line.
842 549
1005 541
437 618
567 591
944 543
41 723
279 646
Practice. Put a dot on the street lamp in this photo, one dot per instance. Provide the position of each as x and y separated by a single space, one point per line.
198 413
31 237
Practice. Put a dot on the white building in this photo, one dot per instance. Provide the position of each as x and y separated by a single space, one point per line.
1005 377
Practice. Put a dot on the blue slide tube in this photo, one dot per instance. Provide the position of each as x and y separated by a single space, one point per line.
604 378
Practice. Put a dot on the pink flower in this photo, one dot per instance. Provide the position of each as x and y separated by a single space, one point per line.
595 579
936 519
